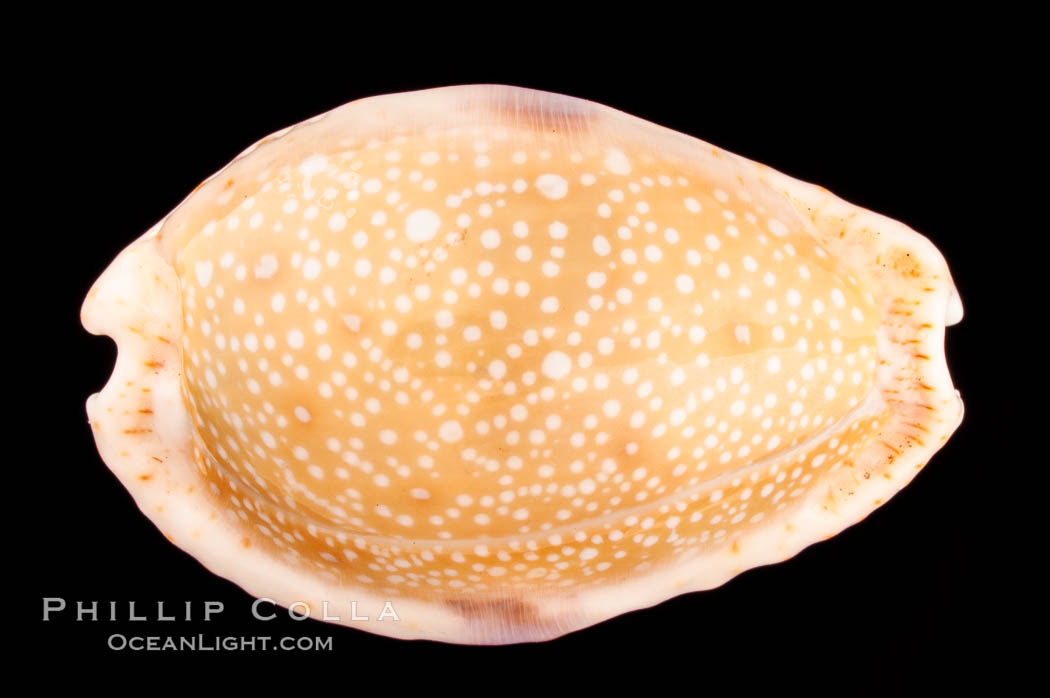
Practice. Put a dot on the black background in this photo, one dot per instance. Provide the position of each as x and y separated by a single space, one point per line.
132 129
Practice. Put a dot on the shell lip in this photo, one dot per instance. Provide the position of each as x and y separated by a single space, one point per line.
954 313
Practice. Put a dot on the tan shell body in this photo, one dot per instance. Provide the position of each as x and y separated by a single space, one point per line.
514 363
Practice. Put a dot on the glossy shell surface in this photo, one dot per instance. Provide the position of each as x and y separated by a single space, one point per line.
514 363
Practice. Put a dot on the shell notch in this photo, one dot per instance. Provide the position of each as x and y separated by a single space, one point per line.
514 362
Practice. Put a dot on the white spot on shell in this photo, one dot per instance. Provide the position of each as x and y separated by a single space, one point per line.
490 239
266 267
353 322
556 365
616 162
422 225
315 164
336 222
203 270
450 431
552 186
311 269
601 245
